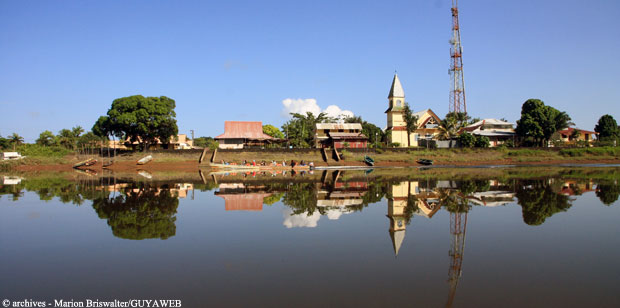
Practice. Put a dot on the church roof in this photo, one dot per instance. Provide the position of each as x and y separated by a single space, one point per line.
397 240
397 89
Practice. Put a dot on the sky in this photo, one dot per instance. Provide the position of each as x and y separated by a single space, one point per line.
62 63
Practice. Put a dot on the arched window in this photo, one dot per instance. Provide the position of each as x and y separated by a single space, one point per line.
399 103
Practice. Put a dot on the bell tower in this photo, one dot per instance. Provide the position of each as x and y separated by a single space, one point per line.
396 127
396 213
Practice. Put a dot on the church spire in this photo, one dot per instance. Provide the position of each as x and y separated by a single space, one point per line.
397 89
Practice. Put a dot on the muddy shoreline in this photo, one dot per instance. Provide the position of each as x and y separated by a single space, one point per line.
193 166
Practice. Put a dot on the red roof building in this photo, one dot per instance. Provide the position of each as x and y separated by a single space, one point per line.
240 134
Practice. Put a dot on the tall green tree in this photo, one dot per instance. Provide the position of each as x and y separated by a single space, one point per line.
4 143
300 129
539 121
374 133
46 138
16 140
140 119
411 122
66 138
272 131
607 128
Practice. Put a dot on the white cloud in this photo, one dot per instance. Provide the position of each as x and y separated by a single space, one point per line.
335 112
300 220
303 106
300 106
334 214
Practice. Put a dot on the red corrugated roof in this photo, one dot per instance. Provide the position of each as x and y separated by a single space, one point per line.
244 202
243 130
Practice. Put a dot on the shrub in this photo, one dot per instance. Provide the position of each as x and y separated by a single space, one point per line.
482 142
467 140
35 150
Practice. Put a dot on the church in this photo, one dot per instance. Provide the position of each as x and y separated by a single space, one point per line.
428 121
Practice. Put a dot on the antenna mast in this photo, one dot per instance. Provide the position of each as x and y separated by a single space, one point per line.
457 91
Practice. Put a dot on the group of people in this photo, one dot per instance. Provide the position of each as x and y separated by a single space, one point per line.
274 163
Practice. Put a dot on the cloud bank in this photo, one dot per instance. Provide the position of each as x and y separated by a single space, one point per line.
303 106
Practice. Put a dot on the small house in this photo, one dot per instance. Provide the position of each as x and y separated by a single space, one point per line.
569 135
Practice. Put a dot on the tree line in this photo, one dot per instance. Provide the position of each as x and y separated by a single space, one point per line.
147 120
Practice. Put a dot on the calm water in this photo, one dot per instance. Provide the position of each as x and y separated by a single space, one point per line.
337 239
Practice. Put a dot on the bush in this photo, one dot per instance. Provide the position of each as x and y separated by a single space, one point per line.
467 140
394 144
379 151
482 142
35 150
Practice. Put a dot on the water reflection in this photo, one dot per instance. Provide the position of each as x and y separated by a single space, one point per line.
147 209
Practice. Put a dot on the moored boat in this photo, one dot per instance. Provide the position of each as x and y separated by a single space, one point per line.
145 160
424 161
369 161
85 163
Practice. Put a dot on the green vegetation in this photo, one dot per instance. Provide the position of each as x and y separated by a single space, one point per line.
608 129
374 133
451 125
206 142
139 119
300 129
538 122
539 201
142 213
467 140
272 131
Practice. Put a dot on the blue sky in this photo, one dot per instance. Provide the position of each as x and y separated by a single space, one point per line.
63 62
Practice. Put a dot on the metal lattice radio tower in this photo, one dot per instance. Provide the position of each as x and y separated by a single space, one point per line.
457 91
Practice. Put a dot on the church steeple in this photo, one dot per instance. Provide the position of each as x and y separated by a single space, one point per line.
397 88
396 105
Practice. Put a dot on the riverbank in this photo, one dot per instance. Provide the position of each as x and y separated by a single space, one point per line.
188 161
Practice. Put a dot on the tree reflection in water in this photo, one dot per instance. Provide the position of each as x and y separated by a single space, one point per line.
608 192
539 200
140 213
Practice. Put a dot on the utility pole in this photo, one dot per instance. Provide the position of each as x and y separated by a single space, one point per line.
457 91
191 130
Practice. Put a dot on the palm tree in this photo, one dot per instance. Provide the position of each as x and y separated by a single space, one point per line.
448 128
66 138
452 124
411 122
16 140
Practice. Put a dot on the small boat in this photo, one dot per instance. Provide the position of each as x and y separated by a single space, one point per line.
424 161
145 160
369 161
85 163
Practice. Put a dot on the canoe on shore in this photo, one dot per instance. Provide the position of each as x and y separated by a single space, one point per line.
85 163
145 160
423 161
